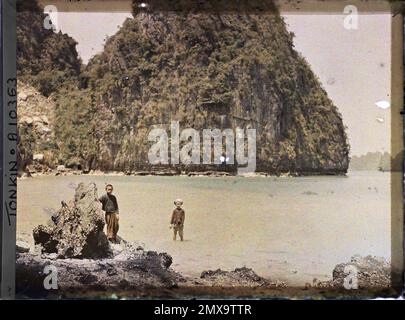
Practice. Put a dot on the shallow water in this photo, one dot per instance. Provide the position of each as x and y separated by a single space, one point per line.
291 229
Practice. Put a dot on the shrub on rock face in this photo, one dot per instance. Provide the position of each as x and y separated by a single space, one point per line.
76 230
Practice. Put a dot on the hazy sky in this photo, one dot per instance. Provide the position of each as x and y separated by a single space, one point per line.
353 65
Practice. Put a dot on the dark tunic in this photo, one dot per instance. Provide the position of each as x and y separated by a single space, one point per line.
109 203
178 217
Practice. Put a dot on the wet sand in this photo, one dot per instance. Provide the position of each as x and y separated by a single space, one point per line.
289 229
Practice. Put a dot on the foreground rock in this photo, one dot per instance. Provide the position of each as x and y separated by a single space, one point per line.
129 269
22 247
369 272
240 277
76 230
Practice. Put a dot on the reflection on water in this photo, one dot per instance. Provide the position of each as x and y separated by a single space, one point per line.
293 229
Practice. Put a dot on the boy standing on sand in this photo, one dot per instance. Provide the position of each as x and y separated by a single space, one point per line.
110 207
177 221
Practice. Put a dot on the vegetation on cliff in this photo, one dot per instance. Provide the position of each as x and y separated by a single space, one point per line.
45 59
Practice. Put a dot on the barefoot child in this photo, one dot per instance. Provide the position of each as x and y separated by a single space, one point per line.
177 221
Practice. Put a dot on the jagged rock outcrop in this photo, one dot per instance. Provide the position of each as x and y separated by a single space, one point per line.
76 230
204 68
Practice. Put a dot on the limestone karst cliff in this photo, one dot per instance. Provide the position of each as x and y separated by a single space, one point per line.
204 67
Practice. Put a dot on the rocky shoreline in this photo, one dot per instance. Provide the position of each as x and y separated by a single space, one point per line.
129 269
37 171
136 273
